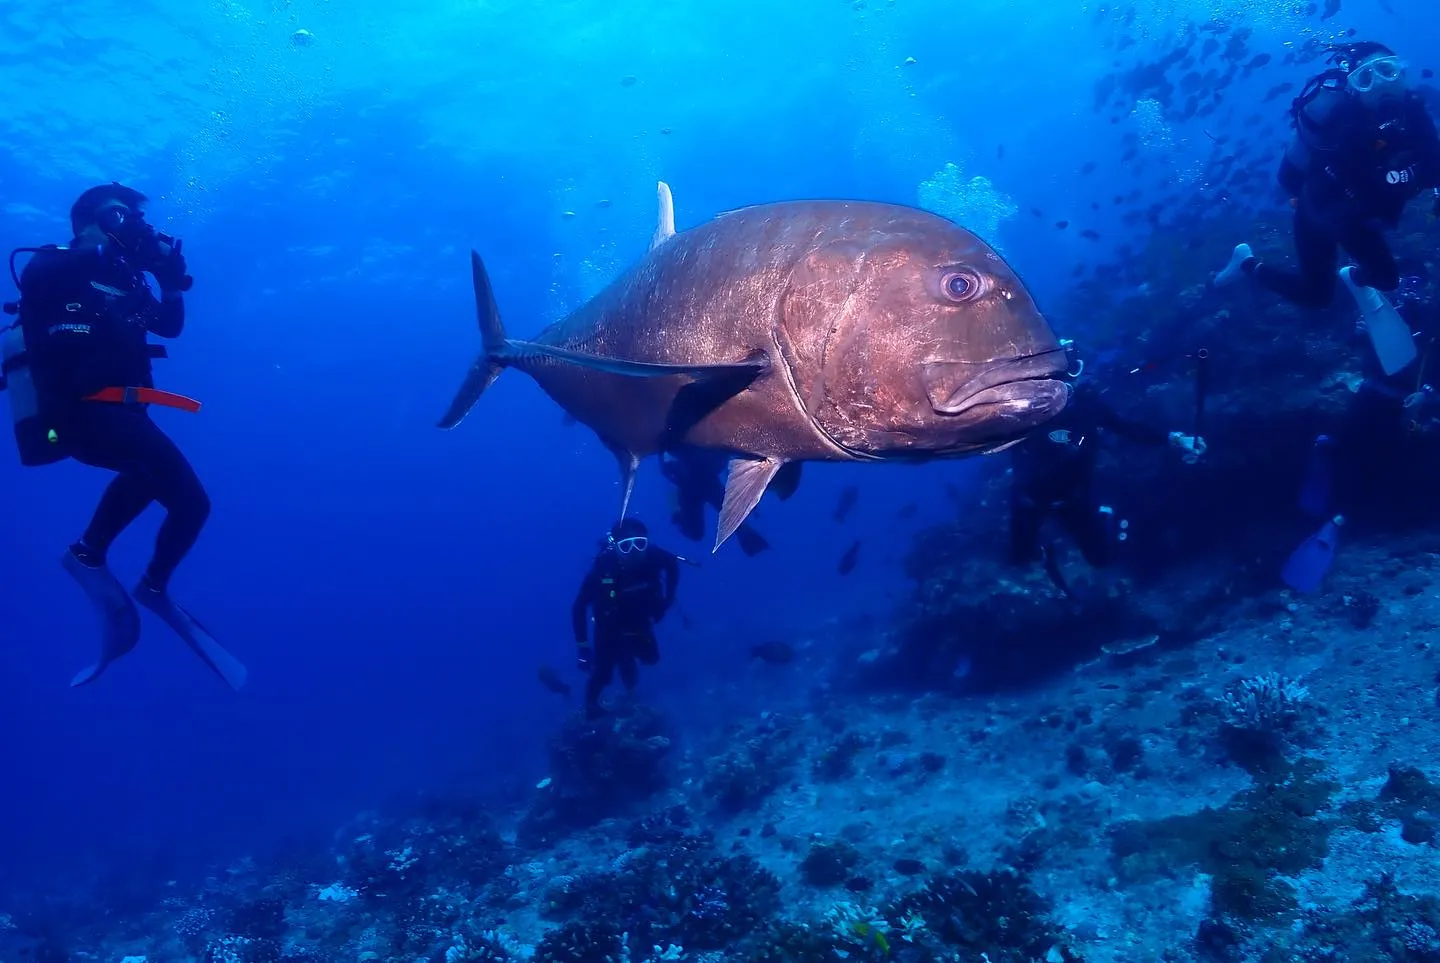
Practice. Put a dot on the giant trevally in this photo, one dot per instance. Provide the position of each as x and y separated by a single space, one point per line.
796 331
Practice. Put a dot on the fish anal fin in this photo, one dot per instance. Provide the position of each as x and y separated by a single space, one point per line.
745 484
665 223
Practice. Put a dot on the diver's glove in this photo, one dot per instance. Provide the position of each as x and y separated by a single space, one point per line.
1192 446
170 272
583 657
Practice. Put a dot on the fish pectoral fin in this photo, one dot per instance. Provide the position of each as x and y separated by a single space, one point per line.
518 352
665 224
747 481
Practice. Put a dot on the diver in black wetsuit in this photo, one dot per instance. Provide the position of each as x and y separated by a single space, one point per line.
78 367
1052 476
630 587
697 476
1365 146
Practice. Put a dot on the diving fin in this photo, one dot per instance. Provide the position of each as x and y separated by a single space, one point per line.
1390 336
1308 565
743 488
119 622
195 635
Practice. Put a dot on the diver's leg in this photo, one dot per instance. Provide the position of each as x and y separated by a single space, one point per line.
1313 286
1375 262
100 436
187 506
113 438
629 673
644 646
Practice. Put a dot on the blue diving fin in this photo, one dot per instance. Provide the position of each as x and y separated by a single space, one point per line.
119 622
195 635
1307 566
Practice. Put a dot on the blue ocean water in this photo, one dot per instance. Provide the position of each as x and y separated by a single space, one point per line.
393 587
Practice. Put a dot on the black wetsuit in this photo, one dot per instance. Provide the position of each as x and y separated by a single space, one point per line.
697 476
86 317
1351 171
627 598
1053 476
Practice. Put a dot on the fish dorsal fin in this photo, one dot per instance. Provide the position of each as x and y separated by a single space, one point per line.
746 483
665 225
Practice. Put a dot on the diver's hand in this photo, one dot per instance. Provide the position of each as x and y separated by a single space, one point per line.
584 658
1192 447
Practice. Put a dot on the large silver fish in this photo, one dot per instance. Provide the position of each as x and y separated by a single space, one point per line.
792 332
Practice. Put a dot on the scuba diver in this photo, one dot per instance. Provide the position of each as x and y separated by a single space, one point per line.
1364 146
1052 476
697 475
630 587
77 365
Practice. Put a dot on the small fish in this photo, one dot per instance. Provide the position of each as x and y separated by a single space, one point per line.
847 501
773 652
1088 167
908 510
1427 73
848 560
1062 224
1000 152
1276 91
1090 235
551 680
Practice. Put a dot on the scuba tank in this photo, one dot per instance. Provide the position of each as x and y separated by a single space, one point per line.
35 441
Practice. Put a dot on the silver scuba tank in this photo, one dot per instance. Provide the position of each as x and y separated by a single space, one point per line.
37 444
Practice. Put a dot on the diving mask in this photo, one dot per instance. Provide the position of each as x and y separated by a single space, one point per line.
635 543
1378 72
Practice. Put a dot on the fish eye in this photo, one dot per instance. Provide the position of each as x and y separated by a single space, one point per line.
960 286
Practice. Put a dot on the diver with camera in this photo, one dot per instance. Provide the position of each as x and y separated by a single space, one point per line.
77 366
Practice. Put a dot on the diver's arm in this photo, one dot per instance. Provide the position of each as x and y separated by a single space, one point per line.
580 610
1427 145
168 319
670 571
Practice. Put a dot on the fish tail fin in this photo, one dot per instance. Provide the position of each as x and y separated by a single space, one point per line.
493 348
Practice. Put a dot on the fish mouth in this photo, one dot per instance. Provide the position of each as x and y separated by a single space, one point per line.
1024 390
